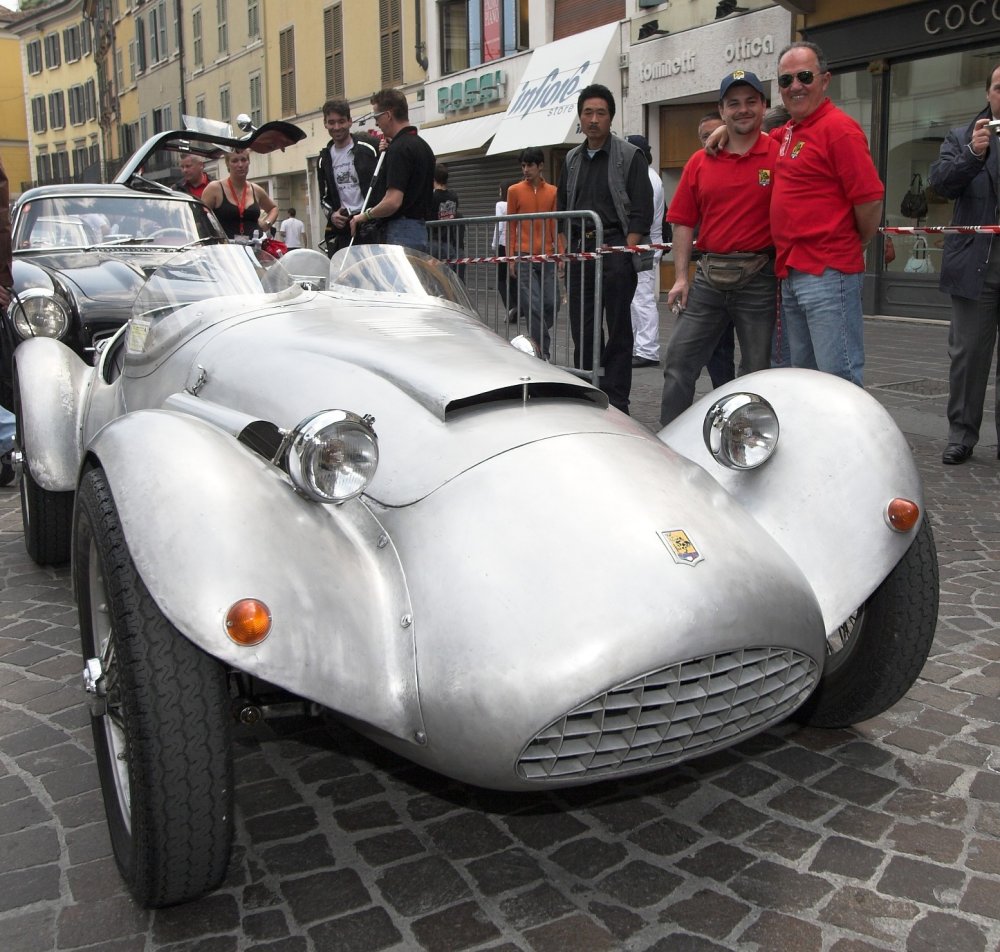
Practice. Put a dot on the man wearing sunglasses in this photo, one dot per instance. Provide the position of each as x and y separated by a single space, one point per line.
402 192
827 205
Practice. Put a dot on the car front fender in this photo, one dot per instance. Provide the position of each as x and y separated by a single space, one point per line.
823 494
52 381
208 522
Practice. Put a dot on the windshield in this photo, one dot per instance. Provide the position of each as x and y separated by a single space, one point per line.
397 272
197 288
132 220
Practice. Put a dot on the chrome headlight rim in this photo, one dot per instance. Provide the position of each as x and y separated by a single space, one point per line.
27 305
727 428
310 445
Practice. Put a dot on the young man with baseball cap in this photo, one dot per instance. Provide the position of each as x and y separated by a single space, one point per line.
727 197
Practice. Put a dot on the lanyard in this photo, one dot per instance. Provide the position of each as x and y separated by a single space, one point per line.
241 202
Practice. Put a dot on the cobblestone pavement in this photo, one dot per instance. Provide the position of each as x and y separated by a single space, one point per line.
882 837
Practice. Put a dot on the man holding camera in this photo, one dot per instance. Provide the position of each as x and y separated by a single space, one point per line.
345 171
967 170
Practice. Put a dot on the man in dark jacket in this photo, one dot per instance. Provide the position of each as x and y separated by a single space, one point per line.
967 170
345 171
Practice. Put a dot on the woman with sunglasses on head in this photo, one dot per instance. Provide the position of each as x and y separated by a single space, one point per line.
237 203
826 206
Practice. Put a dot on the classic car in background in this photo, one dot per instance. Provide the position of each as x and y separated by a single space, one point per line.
82 252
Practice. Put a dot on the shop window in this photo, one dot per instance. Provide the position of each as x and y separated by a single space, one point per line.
474 32
927 98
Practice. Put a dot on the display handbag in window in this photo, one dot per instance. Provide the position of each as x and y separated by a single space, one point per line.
919 261
914 204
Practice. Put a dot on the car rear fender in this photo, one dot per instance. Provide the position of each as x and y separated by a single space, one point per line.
53 382
341 618
823 494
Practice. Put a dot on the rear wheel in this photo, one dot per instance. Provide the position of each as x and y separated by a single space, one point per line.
160 717
877 654
47 517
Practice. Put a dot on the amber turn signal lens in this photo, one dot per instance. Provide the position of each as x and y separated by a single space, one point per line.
902 515
248 622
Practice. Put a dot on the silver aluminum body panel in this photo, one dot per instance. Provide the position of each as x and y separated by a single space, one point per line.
823 495
507 561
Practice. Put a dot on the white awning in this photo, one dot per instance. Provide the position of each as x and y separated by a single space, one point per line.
467 135
543 110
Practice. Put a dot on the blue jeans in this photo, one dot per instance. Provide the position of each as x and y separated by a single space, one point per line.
823 320
409 232
538 299
6 431
700 326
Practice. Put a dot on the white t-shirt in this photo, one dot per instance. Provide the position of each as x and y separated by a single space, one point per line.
346 176
291 231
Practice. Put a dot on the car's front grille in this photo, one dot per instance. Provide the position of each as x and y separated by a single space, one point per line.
688 708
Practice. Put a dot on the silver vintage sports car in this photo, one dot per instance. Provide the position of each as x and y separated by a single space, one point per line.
328 480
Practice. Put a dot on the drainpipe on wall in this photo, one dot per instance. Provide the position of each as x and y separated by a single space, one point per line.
421 58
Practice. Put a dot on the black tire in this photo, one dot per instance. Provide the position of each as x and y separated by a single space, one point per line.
47 517
160 716
881 649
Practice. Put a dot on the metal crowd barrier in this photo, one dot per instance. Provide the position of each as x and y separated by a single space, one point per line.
514 292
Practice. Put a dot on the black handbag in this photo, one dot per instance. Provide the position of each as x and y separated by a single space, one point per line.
914 204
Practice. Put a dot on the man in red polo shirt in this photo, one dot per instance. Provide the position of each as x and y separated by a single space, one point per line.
193 179
727 197
827 205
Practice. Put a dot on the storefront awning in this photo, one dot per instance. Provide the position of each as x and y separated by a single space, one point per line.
543 110
464 136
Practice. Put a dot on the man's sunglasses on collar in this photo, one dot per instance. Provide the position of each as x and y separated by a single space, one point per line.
804 76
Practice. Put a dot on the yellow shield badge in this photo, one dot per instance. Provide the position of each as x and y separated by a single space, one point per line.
682 550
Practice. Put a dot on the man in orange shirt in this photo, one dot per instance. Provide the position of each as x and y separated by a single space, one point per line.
537 290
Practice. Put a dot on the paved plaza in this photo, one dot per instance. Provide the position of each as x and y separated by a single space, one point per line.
885 837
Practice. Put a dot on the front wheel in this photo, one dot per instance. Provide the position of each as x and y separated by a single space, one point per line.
879 652
160 717
47 516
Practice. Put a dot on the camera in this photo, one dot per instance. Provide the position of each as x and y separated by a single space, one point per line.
994 126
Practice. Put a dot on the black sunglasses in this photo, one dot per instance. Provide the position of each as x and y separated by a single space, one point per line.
804 76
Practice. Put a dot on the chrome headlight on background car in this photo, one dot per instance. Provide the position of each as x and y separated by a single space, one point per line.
333 455
741 430
39 312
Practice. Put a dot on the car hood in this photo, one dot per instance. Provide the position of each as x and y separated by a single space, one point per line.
89 275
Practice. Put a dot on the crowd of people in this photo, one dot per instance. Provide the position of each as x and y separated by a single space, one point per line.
769 224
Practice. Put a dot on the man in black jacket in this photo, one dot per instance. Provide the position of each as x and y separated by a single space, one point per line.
967 170
345 171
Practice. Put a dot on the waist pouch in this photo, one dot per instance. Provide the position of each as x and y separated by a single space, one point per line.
731 272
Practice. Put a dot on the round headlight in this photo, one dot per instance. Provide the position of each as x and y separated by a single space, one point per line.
39 313
741 430
333 456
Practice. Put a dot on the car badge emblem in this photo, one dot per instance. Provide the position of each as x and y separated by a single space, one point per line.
682 550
